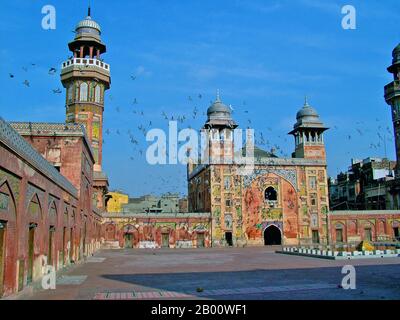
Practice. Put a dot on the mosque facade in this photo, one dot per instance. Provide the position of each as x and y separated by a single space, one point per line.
282 201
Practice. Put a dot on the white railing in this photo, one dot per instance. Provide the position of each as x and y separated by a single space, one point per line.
85 62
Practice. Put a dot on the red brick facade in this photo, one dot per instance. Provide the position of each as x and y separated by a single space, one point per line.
352 227
43 217
182 230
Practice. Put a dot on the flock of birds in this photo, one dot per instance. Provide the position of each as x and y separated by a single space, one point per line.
52 71
135 136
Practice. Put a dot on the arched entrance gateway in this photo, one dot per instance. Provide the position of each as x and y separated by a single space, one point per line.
272 236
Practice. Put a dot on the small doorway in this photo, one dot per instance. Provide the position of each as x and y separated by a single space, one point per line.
21 273
2 255
228 238
315 236
200 240
84 239
71 245
51 240
396 233
128 240
339 235
272 236
368 234
165 240
31 252
63 246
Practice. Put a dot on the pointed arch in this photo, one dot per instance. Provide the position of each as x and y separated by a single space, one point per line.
9 199
52 208
52 213
35 212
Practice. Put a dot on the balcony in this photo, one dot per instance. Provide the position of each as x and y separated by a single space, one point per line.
85 63
392 90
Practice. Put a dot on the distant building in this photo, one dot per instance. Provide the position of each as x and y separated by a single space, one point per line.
183 205
153 204
158 230
116 199
364 186
154 222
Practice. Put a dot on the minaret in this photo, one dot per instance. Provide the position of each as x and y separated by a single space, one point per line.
220 126
392 97
86 77
308 133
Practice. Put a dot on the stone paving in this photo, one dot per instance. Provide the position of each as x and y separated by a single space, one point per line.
155 295
228 273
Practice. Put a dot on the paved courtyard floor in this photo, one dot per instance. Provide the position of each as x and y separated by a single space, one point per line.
228 273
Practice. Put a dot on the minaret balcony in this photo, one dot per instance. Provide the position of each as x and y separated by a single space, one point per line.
392 90
85 63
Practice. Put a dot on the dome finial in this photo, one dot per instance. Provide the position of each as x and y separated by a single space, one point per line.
306 101
89 9
218 99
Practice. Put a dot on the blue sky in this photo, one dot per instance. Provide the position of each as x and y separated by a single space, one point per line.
264 56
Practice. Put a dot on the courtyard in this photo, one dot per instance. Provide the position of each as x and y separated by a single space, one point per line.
225 273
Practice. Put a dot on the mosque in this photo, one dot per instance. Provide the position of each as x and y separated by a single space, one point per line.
54 192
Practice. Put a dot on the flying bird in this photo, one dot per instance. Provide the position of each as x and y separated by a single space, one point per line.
52 71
